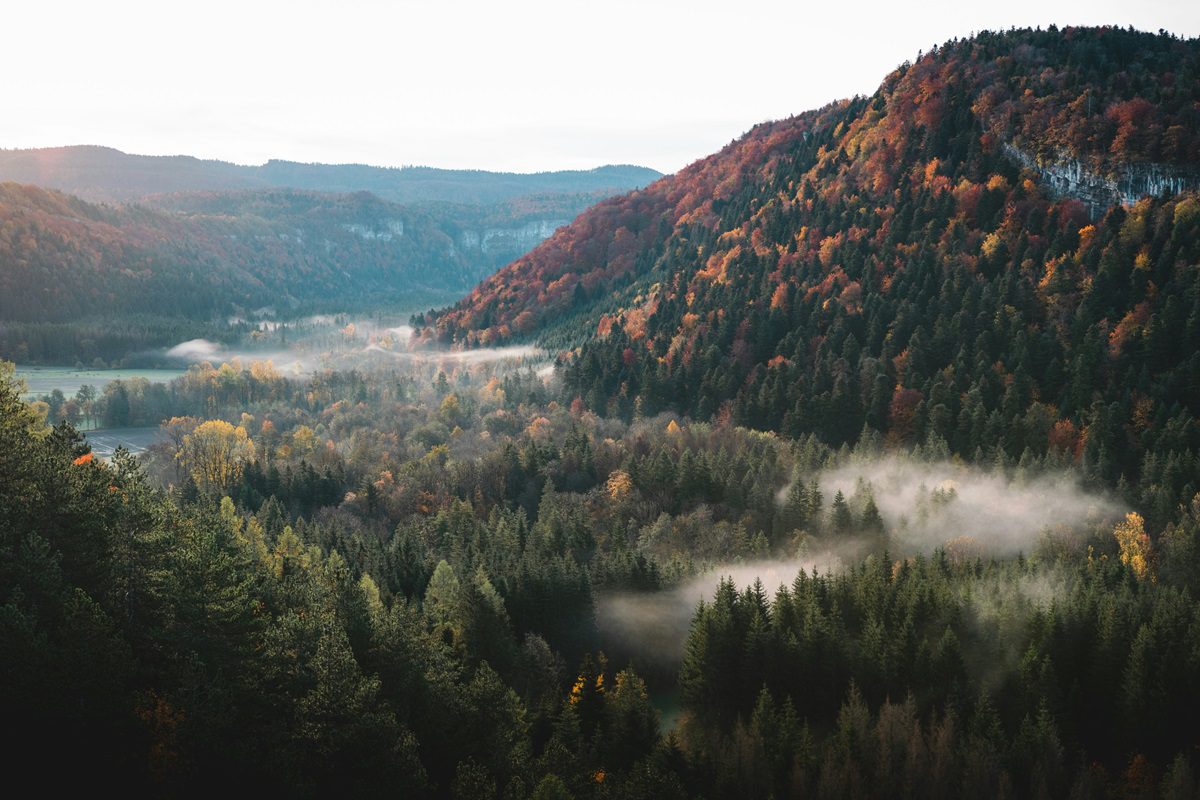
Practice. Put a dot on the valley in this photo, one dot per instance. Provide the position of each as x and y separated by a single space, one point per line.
859 458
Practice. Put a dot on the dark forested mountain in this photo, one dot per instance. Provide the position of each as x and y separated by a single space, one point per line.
889 262
1083 106
105 174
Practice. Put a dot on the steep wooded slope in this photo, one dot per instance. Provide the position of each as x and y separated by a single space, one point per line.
886 262
202 254
64 258
1105 101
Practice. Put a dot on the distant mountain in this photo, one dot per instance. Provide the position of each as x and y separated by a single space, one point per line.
200 255
191 240
947 258
105 174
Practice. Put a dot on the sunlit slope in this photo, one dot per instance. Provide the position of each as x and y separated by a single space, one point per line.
955 256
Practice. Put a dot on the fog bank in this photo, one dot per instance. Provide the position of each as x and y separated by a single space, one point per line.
925 506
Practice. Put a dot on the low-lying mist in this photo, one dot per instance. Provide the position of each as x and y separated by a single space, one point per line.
195 351
653 626
483 355
924 506
351 346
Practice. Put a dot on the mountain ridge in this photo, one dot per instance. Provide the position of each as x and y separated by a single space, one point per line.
100 173
222 241
988 112
881 265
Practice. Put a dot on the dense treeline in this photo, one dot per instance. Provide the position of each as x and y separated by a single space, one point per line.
964 679
481 524
178 645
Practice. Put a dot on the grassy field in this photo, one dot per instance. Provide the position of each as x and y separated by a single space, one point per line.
41 381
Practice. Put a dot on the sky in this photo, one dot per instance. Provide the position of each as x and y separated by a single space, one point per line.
521 85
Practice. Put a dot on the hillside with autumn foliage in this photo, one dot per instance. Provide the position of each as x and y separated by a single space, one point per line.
1106 99
886 264
65 258
177 266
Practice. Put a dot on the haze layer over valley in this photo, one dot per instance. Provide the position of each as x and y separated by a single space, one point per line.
192 243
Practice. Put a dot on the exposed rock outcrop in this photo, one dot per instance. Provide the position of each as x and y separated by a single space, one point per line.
513 241
385 230
1099 192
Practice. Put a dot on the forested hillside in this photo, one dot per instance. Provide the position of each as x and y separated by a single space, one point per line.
172 267
883 264
888 173
458 586
65 258
200 254
198 241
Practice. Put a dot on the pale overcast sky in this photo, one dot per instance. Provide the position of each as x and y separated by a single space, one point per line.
523 85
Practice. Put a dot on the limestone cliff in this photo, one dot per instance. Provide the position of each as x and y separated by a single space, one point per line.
1125 184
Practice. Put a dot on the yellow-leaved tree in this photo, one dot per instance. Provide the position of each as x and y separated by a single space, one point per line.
1134 545
619 485
214 454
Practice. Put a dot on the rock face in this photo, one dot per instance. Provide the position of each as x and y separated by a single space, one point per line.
510 240
384 231
1130 183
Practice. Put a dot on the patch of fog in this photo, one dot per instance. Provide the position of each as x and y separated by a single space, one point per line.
992 602
483 355
264 325
402 333
997 608
284 362
303 357
319 319
925 506
655 625
195 350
